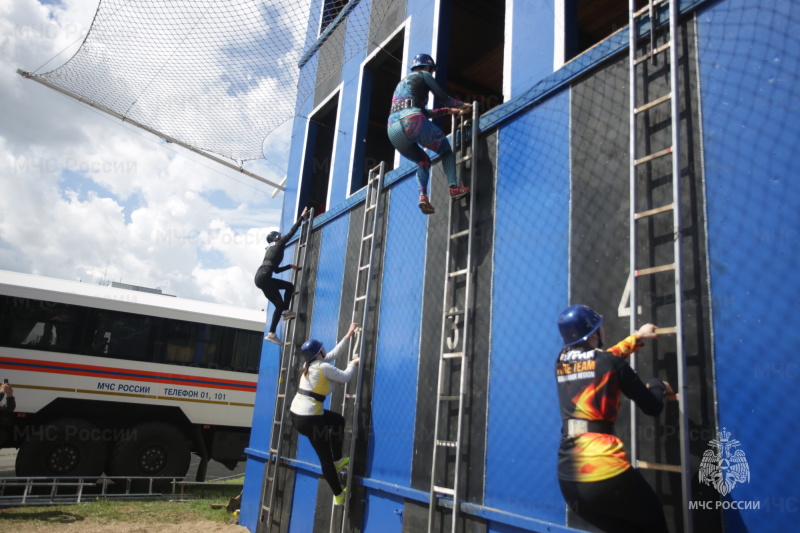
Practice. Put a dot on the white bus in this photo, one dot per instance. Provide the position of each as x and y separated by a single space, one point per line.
123 382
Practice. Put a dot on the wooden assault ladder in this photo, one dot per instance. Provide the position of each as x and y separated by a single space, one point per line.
653 11
287 372
352 391
456 330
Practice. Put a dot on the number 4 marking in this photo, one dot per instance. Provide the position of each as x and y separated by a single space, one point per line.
624 308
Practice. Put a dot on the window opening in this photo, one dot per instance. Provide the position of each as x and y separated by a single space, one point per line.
379 79
587 22
330 10
319 157
473 67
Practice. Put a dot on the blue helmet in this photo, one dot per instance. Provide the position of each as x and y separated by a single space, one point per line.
310 349
423 60
577 323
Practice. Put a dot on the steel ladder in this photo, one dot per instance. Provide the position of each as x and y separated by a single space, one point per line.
351 398
286 373
654 11
445 484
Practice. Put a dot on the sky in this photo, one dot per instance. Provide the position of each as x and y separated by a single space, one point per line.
86 197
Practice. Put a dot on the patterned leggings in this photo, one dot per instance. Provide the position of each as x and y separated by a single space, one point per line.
408 133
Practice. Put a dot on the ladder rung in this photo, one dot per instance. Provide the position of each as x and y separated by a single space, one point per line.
459 273
657 51
666 331
363 267
662 153
265 508
349 396
449 398
655 270
359 298
367 237
281 396
651 212
446 443
452 355
276 422
460 234
654 103
464 159
444 490
457 312
370 208
302 244
273 450
659 466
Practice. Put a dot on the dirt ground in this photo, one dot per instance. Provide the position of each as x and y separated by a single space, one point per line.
89 527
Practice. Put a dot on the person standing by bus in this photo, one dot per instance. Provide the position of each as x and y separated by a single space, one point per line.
325 429
409 127
596 478
8 404
276 244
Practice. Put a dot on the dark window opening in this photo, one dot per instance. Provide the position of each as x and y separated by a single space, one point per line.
330 10
587 22
473 67
381 76
319 157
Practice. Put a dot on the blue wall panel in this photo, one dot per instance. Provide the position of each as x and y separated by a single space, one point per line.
394 398
749 64
530 290
327 297
251 492
531 41
355 46
383 513
304 503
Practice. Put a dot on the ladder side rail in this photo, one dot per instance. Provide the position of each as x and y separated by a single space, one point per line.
363 337
443 331
287 349
632 305
685 456
468 296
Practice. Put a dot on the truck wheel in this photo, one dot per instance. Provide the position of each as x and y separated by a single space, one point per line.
63 447
153 449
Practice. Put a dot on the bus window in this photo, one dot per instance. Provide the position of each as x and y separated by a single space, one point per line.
207 346
118 335
40 325
246 351
180 337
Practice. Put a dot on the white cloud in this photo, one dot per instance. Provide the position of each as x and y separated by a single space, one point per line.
83 196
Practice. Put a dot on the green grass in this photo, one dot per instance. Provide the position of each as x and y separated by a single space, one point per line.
107 512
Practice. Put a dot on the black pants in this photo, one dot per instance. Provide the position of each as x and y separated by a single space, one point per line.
326 433
271 287
622 504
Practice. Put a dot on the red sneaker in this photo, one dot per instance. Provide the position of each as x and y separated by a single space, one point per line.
425 206
458 192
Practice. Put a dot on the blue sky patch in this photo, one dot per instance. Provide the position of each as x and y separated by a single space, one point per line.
77 182
211 258
219 198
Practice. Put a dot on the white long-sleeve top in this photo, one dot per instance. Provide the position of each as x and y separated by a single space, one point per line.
318 380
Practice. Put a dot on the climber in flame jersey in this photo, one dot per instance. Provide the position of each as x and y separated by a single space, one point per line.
595 475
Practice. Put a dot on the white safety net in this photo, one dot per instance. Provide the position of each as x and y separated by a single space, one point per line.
218 76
